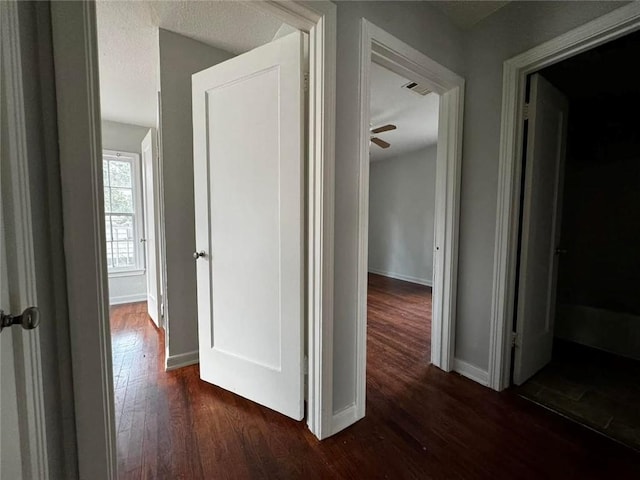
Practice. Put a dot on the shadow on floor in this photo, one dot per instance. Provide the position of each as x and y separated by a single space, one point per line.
595 388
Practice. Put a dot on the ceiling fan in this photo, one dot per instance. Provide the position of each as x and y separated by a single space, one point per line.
378 141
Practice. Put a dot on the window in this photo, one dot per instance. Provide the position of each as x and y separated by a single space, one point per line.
123 211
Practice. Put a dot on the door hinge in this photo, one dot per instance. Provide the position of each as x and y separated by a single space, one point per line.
161 306
514 340
525 111
306 82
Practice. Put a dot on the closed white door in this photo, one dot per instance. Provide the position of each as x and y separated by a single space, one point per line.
544 170
248 166
152 254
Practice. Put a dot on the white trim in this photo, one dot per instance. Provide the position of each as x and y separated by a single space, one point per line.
126 273
76 67
381 47
471 371
79 126
32 407
174 362
162 238
400 276
620 22
345 418
319 19
133 298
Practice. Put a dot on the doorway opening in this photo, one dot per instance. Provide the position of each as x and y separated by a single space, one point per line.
577 317
402 180
77 88
390 57
151 208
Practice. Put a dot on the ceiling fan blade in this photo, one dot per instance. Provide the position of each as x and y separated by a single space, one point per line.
384 128
381 143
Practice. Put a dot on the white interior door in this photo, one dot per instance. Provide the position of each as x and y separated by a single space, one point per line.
23 403
544 170
248 165
152 252
10 438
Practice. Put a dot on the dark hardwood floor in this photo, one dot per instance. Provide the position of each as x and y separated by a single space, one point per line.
421 422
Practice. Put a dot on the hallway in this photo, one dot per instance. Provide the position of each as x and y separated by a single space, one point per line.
420 423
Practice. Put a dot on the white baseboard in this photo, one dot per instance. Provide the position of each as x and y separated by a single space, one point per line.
137 297
344 418
471 372
400 276
181 360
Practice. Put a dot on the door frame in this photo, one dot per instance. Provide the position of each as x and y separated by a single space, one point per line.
383 48
615 24
26 345
319 20
78 103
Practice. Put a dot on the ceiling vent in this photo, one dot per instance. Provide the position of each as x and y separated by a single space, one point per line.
417 88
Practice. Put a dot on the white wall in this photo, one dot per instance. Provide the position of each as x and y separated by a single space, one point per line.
401 213
122 136
180 57
125 288
615 332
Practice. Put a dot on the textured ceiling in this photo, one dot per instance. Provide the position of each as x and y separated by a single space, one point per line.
415 116
128 46
465 14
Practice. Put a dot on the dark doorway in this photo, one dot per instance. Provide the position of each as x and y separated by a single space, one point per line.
594 375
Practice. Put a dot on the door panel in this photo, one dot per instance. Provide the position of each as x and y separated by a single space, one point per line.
548 112
152 257
29 408
10 438
248 152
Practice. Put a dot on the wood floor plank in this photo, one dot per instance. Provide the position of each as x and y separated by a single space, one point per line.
421 422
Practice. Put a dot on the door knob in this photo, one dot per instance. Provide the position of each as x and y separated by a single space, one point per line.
29 319
142 240
199 254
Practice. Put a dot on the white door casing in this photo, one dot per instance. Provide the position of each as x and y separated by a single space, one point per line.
23 427
151 224
248 163
544 171
380 47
